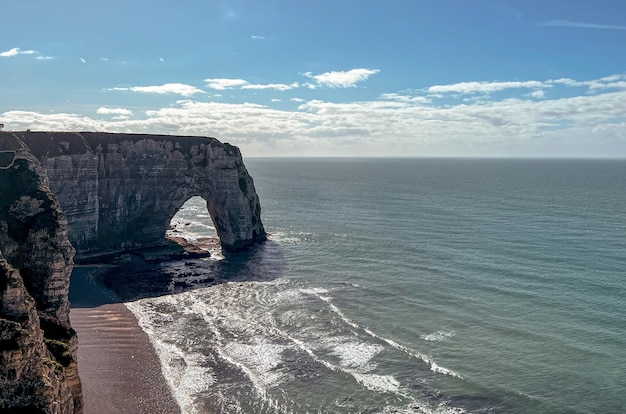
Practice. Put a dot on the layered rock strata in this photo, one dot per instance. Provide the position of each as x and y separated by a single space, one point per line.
38 371
120 191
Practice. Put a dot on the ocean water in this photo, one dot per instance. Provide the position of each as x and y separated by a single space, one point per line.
406 286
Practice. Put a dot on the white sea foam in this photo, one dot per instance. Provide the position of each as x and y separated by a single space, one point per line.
357 354
250 326
438 336
373 382
416 407
307 349
291 237
378 383
186 373
433 366
261 357
314 291
436 368
185 369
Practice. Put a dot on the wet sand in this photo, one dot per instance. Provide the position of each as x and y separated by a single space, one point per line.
118 367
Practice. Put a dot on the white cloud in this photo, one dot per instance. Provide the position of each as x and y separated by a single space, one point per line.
44 57
330 79
168 88
231 15
297 100
609 85
17 51
406 98
276 86
581 25
538 94
566 82
612 78
222 83
11 52
114 111
83 60
257 37
608 82
225 83
617 81
22 120
484 87
342 79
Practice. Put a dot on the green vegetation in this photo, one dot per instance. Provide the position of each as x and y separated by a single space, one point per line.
60 351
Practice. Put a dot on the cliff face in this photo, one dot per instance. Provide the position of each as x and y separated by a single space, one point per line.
38 371
120 191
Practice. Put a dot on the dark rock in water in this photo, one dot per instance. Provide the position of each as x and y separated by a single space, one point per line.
38 371
120 191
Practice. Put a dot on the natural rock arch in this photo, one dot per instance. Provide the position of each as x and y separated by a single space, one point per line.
119 191
181 223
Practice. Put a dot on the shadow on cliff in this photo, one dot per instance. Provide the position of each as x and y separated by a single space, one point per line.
136 278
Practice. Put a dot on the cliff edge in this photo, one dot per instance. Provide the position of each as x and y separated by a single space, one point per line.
38 371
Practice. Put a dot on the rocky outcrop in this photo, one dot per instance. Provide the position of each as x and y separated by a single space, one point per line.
120 191
38 371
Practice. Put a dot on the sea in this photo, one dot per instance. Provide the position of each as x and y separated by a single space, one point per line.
405 286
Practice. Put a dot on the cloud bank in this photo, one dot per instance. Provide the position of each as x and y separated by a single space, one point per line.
591 123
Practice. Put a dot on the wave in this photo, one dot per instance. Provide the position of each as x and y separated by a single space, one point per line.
424 358
268 340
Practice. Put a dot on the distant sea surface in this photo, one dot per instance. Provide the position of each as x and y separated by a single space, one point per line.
407 286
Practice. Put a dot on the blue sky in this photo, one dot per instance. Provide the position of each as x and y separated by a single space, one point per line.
325 78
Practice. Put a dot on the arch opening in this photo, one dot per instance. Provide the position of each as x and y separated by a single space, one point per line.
193 227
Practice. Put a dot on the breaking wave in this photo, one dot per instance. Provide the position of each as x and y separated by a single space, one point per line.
276 341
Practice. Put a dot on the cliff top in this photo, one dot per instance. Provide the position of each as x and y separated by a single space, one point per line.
51 143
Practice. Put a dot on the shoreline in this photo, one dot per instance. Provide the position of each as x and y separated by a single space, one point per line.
117 363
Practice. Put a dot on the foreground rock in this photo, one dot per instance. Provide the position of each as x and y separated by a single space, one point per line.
38 371
120 191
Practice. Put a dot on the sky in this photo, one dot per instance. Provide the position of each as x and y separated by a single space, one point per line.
360 78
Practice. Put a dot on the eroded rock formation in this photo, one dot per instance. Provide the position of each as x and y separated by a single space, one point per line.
38 371
119 191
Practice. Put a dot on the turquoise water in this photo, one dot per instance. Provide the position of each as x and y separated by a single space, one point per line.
408 286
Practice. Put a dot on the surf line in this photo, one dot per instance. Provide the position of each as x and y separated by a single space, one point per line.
417 355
